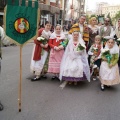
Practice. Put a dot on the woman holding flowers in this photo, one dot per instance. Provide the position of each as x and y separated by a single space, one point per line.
74 65
109 72
117 32
94 52
40 51
57 51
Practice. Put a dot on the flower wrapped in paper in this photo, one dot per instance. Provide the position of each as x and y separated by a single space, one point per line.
118 41
94 50
107 55
64 43
42 40
81 47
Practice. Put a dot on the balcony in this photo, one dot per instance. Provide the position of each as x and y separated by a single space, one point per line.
2 4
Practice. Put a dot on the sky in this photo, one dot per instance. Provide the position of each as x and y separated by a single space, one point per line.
91 4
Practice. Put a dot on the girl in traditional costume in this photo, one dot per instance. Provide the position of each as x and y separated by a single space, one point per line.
40 51
109 72
117 33
94 53
74 65
57 51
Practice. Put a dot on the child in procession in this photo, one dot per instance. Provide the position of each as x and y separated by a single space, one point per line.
74 66
56 52
109 72
40 51
94 53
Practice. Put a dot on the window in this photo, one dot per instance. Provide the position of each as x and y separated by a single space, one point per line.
42 1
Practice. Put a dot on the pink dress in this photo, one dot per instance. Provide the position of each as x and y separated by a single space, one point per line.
55 56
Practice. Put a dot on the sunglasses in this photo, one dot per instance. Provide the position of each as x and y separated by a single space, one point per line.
107 21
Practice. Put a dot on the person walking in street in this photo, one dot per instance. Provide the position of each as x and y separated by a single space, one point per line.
82 28
74 66
40 51
57 51
109 72
117 33
1 38
106 31
93 30
95 60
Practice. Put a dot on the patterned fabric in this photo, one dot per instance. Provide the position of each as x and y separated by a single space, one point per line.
114 60
76 27
104 32
76 79
95 53
109 76
92 33
45 68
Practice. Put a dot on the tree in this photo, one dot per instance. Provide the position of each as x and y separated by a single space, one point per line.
117 16
108 16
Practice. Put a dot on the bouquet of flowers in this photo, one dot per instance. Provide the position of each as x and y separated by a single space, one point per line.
81 47
107 55
42 40
64 43
95 50
104 40
118 41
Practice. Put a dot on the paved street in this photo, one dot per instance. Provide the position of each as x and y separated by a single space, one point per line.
45 100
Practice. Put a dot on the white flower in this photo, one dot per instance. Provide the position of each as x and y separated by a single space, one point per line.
95 48
40 38
83 45
118 39
105 50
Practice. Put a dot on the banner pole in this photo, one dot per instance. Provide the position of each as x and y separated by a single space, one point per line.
20 81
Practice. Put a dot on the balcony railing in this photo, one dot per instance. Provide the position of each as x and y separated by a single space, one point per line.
2 3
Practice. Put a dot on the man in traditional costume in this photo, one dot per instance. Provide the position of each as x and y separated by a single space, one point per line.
82 28
106 30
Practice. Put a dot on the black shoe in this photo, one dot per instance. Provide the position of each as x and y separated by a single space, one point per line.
53 78
102 88
1 107
57 78
35 79
108 86
44 76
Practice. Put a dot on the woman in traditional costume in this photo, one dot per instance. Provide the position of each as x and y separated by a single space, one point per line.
56 52
40 51
93 30
109 72
117 32
74 65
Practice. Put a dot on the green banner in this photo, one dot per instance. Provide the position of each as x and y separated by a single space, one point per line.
21 21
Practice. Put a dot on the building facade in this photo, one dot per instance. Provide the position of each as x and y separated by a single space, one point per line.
50 10
99 7
73 9
112 10
104 8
